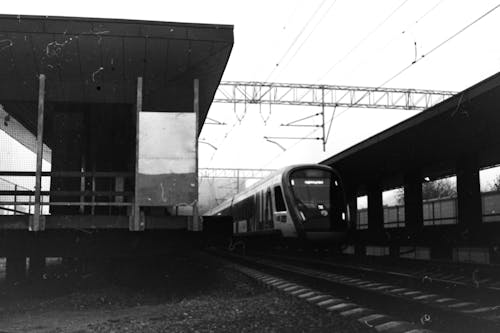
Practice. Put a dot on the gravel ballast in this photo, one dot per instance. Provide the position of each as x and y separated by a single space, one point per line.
183 293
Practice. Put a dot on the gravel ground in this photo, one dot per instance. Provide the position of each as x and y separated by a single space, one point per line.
190 293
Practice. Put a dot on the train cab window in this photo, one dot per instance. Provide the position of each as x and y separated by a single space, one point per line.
314 191
278 199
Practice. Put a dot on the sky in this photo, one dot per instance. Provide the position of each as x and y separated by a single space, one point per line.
342 42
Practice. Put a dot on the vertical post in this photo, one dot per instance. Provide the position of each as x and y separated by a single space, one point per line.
323 116
196 109
15 199
92 208
136 214
375 211
36 225
468 193
237 181
413 204
82 184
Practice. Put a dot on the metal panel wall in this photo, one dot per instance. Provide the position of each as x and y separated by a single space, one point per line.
167 159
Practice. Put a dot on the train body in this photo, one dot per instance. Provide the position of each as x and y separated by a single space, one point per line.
305 202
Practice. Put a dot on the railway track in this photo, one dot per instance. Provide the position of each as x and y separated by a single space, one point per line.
469 282
374 297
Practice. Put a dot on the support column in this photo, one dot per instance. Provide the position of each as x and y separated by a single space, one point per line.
352 201
135 220
15 270
468 194
323 116
36 224
36 267
375 211
196 109
353 234
413 204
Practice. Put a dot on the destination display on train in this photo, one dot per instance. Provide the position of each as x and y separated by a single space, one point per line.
310 182
314 182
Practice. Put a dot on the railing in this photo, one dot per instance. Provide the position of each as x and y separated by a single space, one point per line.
87 196
15 208
362 219
490 202
440 211
394 216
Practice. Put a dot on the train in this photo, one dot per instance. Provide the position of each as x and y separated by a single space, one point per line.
300 202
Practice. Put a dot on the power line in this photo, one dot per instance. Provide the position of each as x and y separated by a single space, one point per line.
296 39
407 28
441 44
430 10
427 54
404 69
276 39
362 41
309 35
289 148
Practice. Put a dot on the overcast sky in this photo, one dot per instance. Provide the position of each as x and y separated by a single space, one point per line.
344 42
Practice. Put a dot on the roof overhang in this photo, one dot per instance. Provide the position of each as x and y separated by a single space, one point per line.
430 142
99 60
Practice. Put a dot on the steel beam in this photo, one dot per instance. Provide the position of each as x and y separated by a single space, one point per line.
234 173
328 95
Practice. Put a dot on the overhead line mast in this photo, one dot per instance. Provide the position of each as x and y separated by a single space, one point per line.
326 96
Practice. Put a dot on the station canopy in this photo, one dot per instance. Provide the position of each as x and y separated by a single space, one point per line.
431 142
99 60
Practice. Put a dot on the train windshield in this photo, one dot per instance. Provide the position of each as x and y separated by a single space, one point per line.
318 194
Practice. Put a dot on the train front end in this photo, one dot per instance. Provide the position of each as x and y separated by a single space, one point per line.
318 200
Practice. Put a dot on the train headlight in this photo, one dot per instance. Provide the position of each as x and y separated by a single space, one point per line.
343 216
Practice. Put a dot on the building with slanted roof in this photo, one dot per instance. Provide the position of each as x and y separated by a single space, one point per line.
115 107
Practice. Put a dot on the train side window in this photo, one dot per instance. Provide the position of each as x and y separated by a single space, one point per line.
278 199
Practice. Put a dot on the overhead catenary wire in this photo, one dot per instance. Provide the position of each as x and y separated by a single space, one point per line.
289 148
396 37
432 50
345 57
295 40
440 44
418 20
338 62
304 41
274 69
364 39
279 35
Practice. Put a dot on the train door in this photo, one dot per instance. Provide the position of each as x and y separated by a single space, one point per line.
281 217
268 211
257 209
280 213
262 212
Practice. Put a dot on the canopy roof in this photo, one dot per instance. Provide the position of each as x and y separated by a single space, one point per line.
98 61
429 143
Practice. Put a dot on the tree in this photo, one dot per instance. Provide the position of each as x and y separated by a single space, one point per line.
496 184
441 188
